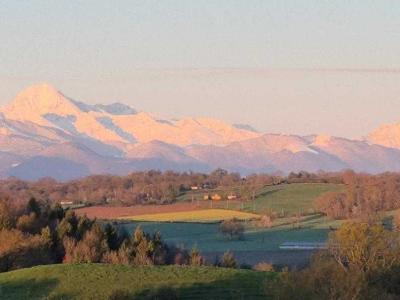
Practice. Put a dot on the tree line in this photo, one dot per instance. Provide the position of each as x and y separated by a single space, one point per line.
364 196
151 187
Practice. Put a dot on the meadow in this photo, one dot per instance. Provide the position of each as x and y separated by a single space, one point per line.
258 244
285 199
100 281
289 199
207 237
197 216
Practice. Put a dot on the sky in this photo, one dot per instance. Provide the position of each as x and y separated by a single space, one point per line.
284 66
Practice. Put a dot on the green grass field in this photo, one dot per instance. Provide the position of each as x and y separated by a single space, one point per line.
207 237
290 198
287 198
97 281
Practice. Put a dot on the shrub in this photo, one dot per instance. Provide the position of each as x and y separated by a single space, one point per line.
195 258
396 221
33 207
332 204
90 250
7 216
266 221
142 254
263 267
19 250
28 223
228 260
122 256
181 257
232 228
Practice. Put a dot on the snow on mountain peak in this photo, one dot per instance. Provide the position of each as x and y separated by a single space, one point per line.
41 95
387 135
41 120
322 140
44 105
37 100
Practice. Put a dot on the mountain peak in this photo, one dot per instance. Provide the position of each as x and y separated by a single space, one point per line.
37 100
44 92
387 135
322 140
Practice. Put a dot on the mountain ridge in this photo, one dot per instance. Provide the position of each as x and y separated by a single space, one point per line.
43 126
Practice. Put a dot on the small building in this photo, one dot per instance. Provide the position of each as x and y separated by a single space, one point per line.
216 197
71 205
232 197
66 204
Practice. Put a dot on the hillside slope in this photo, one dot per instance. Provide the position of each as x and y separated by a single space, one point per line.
96 281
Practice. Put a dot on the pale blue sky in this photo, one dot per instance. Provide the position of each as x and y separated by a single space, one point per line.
226 59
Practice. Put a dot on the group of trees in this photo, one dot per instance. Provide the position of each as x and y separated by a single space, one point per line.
362 262
40 234
364 196
321 177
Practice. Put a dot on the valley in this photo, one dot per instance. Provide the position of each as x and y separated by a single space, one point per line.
191 222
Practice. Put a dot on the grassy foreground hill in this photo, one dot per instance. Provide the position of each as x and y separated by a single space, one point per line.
99 281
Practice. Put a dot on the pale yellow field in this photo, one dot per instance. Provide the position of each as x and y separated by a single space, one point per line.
203 215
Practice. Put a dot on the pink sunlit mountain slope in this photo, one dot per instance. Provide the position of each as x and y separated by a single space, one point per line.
43 131
386 135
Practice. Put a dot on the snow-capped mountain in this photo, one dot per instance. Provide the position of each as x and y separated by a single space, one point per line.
386 135
43 132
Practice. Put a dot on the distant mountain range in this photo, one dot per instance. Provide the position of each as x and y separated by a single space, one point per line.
44 133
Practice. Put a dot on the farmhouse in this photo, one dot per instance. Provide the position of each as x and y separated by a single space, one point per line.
216 197
232 196
71 205
66 204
